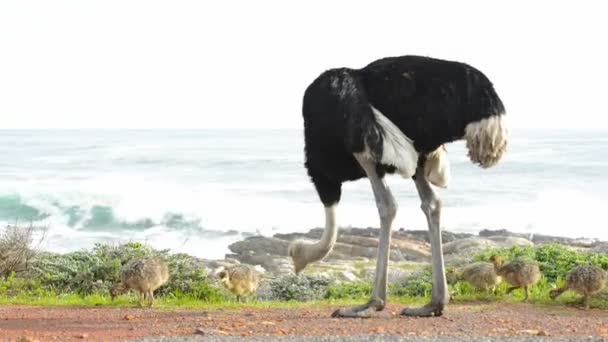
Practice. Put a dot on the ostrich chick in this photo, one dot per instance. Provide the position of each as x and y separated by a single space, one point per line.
240 279
586 280
518 273
481 275
145 276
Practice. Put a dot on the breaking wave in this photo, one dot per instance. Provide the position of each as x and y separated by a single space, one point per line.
197 192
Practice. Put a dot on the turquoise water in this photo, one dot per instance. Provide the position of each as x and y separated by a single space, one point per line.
197 191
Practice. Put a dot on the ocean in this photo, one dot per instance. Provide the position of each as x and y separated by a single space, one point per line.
197 191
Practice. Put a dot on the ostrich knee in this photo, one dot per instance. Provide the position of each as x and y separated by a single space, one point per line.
388 211
431 207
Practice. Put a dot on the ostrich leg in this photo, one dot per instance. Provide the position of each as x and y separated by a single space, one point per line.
387 208
431 206
142 298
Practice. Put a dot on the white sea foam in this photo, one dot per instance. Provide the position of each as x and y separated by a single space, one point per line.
185 199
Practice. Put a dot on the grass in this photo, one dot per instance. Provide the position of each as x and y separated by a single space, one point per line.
538 295
347 294
568 299
184 303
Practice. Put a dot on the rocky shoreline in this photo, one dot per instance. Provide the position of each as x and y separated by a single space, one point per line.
353 256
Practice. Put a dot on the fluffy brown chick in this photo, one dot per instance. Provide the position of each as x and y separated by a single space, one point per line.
242 280
481 275
518 273
585 280
144 276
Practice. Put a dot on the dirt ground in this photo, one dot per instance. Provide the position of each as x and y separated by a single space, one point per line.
27 323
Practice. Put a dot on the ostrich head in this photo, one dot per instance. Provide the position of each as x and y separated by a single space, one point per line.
554 293
224 277
297 252
303 253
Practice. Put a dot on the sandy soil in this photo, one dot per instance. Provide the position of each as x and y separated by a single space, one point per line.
113 324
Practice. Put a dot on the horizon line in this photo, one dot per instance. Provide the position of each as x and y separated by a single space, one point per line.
250 128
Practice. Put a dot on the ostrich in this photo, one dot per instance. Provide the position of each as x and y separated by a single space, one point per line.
518 273
394 116
240 280
586 280
145 276
481 275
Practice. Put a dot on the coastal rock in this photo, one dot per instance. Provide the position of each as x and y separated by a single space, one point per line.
412 249
478 244
348 251
268 262
360 245
542 239
601 248
260 244
348 276
423 235
216 264
351 244
503 232
395 274
461 251
510 241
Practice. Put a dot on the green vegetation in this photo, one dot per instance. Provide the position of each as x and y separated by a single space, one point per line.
555 262
348 290
301 287
415 286
92 273
85 278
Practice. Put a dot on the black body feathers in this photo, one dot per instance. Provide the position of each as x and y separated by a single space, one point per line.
431 101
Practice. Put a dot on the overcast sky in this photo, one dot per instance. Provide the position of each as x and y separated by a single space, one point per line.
225 64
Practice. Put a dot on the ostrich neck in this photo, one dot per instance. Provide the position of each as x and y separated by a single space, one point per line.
330 234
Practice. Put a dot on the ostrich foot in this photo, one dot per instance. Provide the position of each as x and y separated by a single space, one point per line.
361 311
429 310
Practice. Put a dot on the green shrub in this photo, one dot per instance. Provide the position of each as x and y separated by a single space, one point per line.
554 260
13 286
86 272
515 252
300 287
418 285
188 277
96 271
349 290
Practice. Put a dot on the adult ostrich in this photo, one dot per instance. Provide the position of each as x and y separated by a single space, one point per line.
394 116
